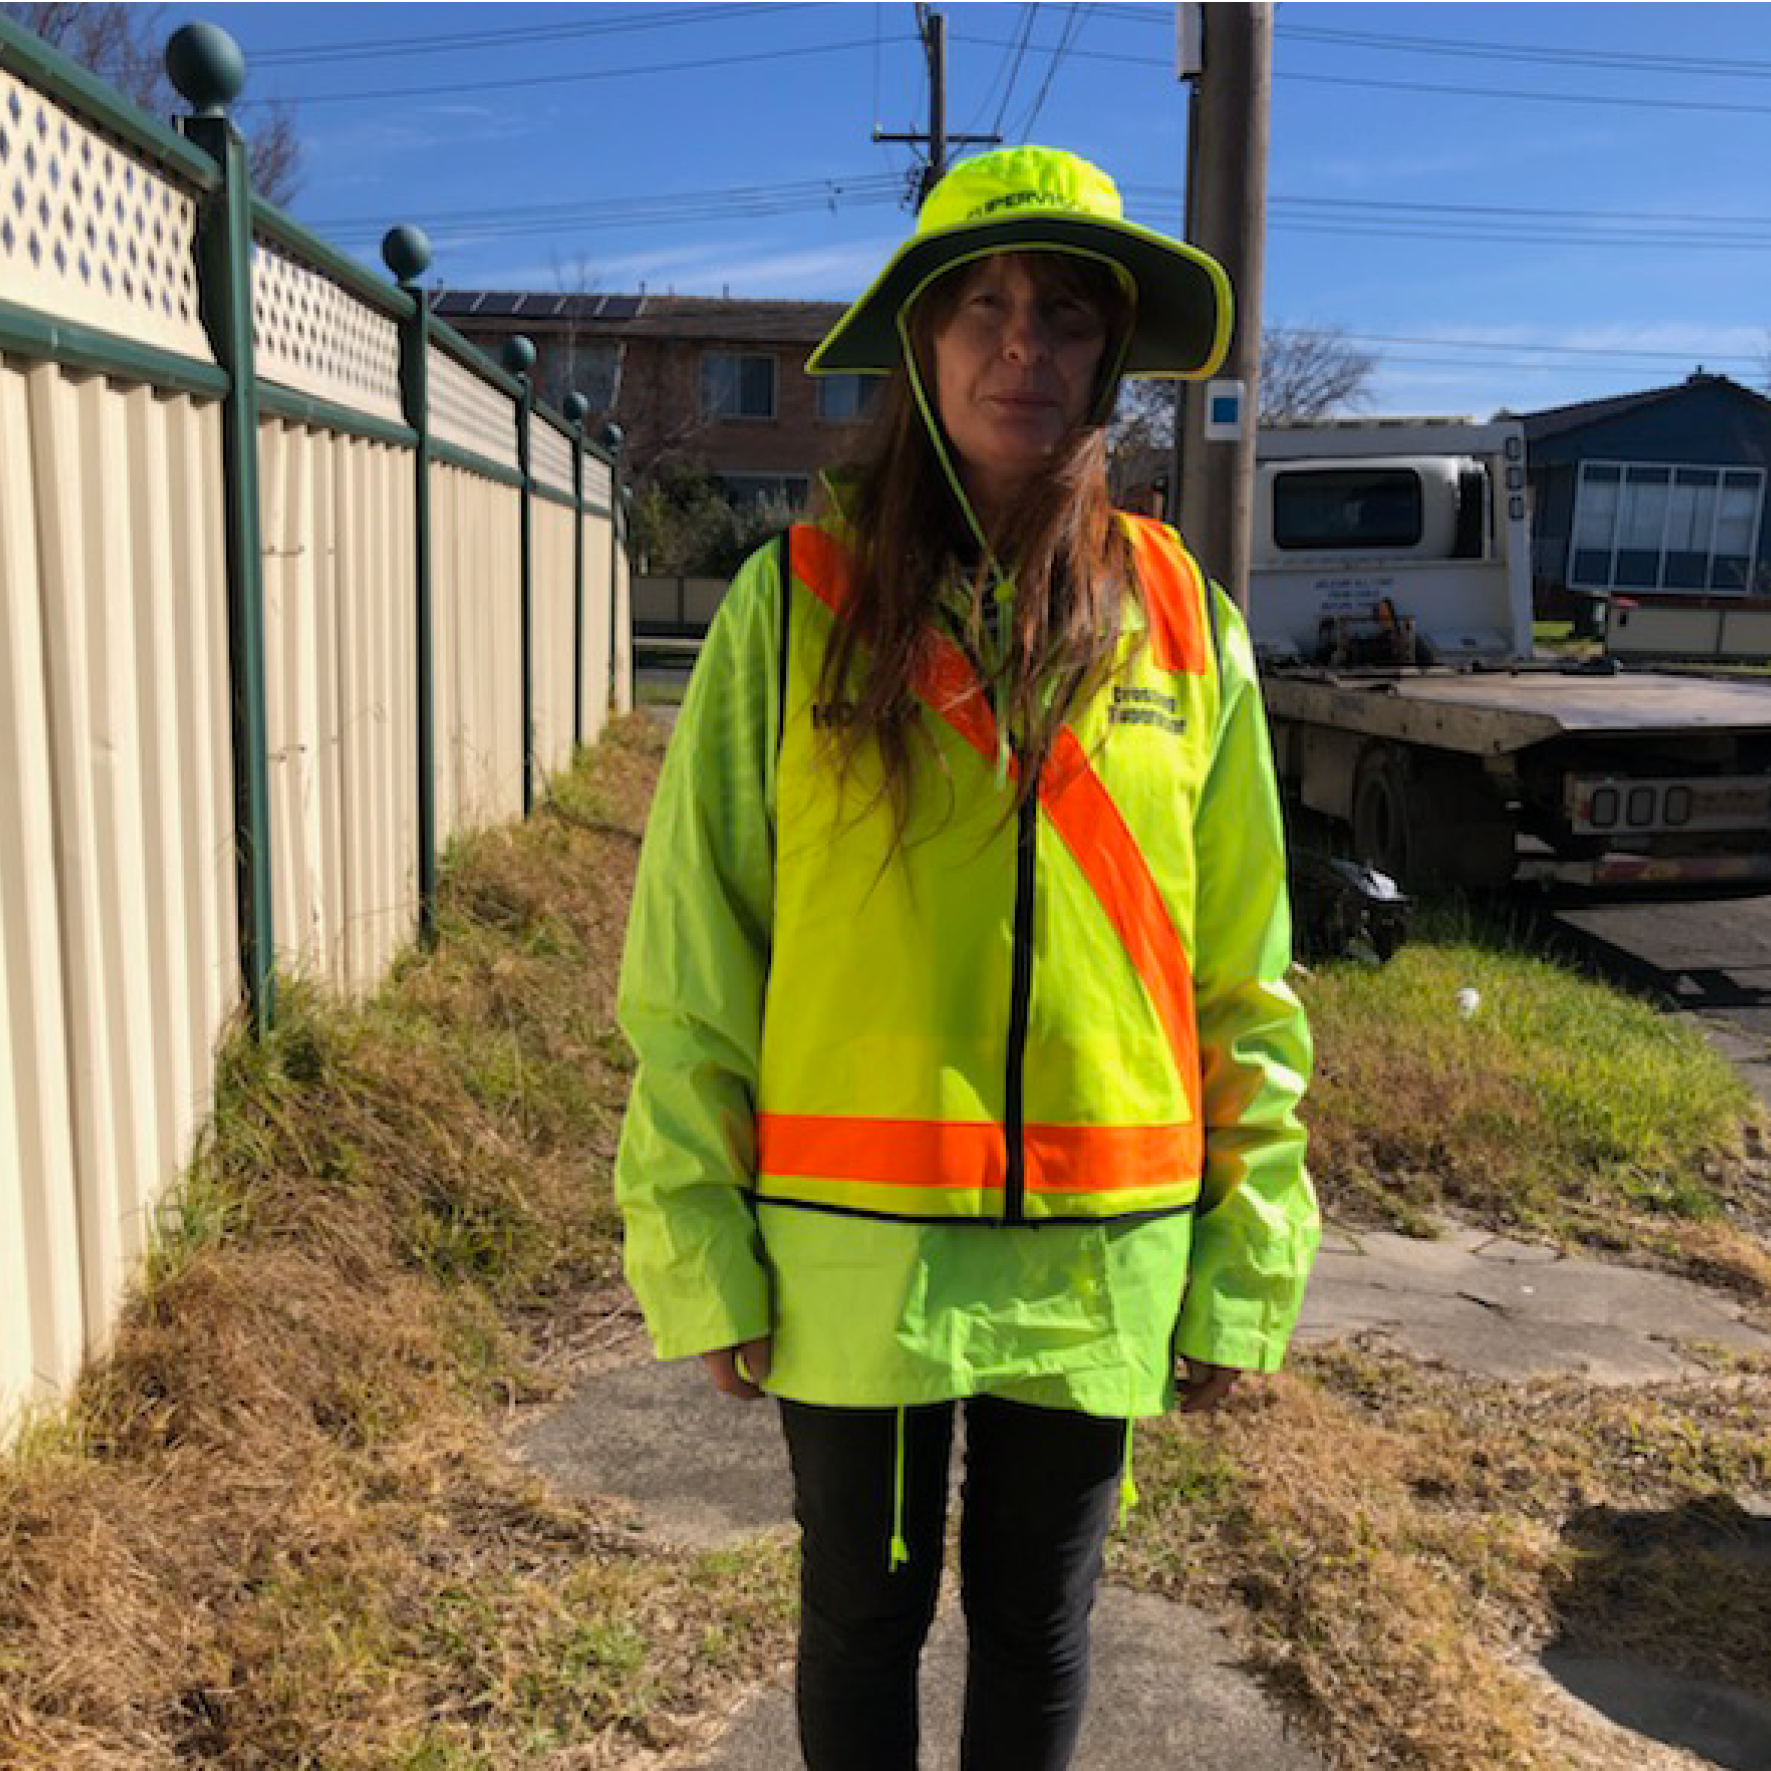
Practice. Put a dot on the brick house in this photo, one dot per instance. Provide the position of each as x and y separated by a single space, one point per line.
719 382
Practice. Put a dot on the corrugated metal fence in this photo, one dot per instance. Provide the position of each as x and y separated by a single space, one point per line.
225 748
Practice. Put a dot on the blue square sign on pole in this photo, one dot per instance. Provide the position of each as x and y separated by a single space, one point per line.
1224 402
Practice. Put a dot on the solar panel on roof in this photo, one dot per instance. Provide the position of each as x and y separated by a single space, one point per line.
502 306
619 307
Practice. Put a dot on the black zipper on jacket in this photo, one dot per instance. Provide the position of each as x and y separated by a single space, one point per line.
1020 1003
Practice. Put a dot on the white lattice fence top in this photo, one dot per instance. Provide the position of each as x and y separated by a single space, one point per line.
313 335
91 231
550 456
471 413
596 481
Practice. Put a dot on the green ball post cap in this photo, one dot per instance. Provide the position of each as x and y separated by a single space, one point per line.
576 408
405 251
206 66
519 355
611 436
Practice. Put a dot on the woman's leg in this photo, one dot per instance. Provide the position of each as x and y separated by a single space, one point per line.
1041 1485
862 1622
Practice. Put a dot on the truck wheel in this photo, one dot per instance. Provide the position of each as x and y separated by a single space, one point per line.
1430 820
1384 816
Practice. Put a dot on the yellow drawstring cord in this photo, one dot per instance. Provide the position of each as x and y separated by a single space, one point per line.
1128 1489
900 1552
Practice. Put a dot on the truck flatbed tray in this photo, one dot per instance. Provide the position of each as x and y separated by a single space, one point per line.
1492 712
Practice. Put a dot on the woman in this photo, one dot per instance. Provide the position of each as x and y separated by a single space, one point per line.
968 1071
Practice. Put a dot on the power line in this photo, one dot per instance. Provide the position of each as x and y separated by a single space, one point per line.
1010 65
1072 23
1461 47
1622 60
477 86
379 48
1706 106
1614 354
738 204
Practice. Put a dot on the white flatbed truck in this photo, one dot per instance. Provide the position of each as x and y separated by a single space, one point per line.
1415 728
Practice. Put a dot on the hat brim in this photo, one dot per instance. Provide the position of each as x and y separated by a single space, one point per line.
1184 306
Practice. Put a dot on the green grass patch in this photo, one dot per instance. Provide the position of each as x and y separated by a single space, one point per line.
1557 1107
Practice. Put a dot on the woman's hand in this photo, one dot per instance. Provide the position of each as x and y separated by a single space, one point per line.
1205 1386
739 1371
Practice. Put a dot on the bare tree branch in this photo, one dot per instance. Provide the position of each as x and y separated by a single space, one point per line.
125 45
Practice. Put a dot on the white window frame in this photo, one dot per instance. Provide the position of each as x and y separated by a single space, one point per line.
709 410
1672 469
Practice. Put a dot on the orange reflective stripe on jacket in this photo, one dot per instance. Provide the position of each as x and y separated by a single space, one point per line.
956 1165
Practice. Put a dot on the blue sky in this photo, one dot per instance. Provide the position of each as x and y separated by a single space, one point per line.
1516 205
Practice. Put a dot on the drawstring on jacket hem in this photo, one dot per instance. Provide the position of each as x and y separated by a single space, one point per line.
900 1551
1128 1489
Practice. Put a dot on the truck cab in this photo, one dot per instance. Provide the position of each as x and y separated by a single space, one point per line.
1414 551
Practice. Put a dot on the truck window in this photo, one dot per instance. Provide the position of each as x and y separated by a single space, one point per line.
1363 509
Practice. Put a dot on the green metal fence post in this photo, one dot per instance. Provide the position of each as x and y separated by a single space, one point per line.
577 408
207 68
406 252
519 359
611 439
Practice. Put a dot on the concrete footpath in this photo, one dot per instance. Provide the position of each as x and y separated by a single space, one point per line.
1169 1689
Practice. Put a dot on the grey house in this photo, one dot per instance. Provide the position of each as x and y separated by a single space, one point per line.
1654 495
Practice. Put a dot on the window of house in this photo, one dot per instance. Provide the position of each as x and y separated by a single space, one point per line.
746 490
1647 526
842 399
576 365
737 384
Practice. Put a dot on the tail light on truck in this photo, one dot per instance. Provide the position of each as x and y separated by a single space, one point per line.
1626 806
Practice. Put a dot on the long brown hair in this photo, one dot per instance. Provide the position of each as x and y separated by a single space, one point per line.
1070 564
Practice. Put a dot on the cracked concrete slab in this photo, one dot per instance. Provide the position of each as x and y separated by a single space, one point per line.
1487 1304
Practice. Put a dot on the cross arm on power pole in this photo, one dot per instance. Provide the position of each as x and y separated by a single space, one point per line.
932 26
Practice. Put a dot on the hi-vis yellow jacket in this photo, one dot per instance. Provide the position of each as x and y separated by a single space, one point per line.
992 1019
864 1068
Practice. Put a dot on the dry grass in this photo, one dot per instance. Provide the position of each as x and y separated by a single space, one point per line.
279 1526
1394 1543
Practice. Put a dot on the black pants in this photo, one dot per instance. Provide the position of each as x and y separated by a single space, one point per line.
1039 1495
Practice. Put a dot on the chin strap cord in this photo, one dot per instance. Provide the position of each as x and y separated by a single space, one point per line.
900 1550
1128 1489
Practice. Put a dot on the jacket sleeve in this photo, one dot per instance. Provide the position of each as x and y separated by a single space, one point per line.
691 992
1257 1225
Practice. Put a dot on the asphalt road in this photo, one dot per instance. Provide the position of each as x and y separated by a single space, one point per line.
1709 958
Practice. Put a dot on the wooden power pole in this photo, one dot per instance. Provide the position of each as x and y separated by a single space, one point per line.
1227 217
933 28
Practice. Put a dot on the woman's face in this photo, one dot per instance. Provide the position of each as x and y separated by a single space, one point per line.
1015 367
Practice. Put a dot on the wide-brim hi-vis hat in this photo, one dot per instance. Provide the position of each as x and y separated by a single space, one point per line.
1031 199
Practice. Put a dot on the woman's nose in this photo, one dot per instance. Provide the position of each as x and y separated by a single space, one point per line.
1027 337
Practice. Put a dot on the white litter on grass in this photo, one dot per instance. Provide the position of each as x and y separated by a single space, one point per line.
1468 1001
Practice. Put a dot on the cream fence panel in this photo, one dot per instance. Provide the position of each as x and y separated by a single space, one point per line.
554 610
341 699
116 888
598 543
622 698
477 616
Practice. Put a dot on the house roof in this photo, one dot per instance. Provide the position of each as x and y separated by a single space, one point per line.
1554 420
642 316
